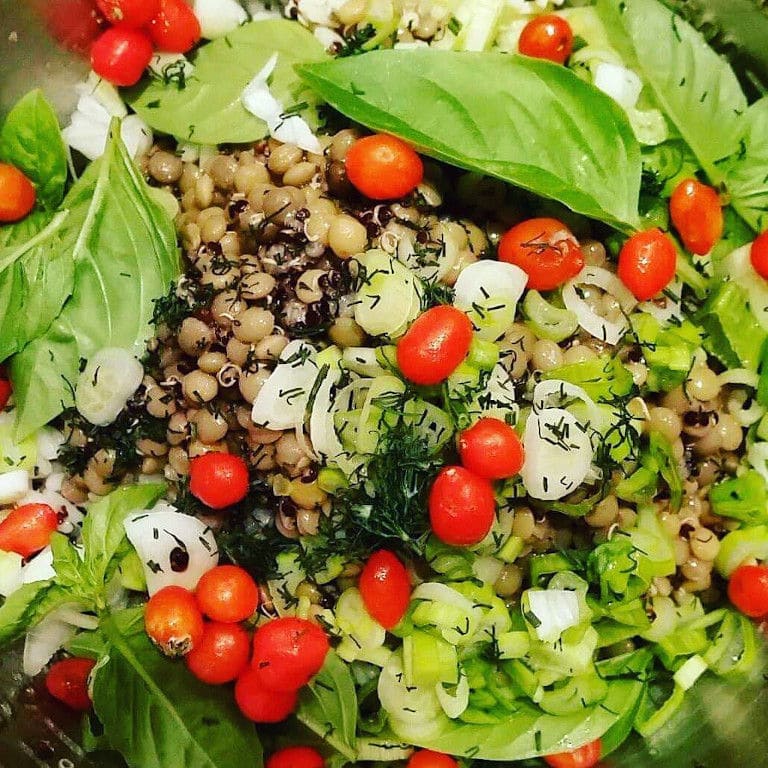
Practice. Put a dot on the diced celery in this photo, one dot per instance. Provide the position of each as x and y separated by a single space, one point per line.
483 354
741 545
428 660
330 356
382 389
690 672
429 421
362 360
574 694
662 714
480 21
333 568
331 480
511 549
741 498
546 320
513 645
603 378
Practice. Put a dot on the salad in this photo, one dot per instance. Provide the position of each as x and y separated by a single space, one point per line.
386 381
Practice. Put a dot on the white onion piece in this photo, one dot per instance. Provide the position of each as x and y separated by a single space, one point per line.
442 593
621 84
322 431
551 393
43 640
599 327
319 11
488 279
666 309
108 380
558 454
14 485
556 610
282 402
156 533
737 266
10 572
259 101
455 704
49 441
218 17
408 704
39 568
487 569
740 376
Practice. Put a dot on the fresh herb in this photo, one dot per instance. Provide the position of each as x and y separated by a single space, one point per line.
354 44
181 301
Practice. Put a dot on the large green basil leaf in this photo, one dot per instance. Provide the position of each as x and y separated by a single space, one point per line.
35 280
125 256
31 140
157 714
206 108
21 231
328 706
530 732
526 121
746 174
27 606
694 85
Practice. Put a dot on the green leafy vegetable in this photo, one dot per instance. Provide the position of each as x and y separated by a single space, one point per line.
156 714
603 378
525 121
125 256
694 85
207 110
31 140
328 706
27 606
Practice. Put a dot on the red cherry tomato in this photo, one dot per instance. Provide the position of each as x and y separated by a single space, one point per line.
67 681
222 654
647 263
383 167
547 37
288 652
492 449
386 588
129 13
696 213
121 55
28 529
758 254
748 590
296 757
227 593
583 757
218 479
437 341
461 507
17 194
74 24
545 249
175 27
173 621
426 758
261 704
5 390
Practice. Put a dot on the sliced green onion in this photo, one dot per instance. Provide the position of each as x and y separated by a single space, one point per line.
546 320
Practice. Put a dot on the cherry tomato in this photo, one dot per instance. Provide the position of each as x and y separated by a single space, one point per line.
426 758
74 24
748 590
121 55
175 27
227 593
129 13
386 588
288 652
461 507
28 529
5 390
67 681
647 263
696 213
218 479
383 167
17 194
222 654
261 704
758 254
437 341
296 757
583 757
545 249
173 621
548 36
492 449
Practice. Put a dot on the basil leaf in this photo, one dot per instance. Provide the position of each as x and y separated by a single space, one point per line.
528 122
31 140
206 109
27 606
746 174
125 256
695 87
156 714
21 231
328 706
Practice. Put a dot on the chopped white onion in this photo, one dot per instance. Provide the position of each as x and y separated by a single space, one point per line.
327 37
39 568
319 12
43 640
667 308
442 593
108 380
454 704
49 441
322 432
282 402
558 454
14 485
556 611
487 569
259 101
160 536
488 279
218 17
605 330
10 572
740 376
408 705
552 393
621 84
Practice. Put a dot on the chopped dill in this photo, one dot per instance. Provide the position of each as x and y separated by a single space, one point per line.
354 45
179 303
